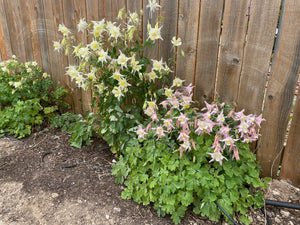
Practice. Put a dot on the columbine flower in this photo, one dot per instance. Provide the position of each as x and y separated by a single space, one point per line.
169 92
182 120
45 75
123 84
243 127
100 88
122 60
151 104
152 76
153 5
176 42
17 84
168 123
82 25
98 27
91 75
133 17
183 136
154 32
102 56
84 53
57 45
157 65
216 156
177 82
141 132
186 145
4 69
63 29
160 132
229 141
117 92
29 70
117 75
114 32
34 63
94 45
72 72
221 118
149 111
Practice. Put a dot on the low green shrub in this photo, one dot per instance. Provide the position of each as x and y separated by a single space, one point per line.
28 97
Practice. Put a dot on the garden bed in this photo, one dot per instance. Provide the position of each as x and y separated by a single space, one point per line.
35 192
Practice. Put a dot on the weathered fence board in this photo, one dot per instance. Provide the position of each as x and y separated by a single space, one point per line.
232 48
225 50
208 49
280 92
169 10
188 20
257 54
290 168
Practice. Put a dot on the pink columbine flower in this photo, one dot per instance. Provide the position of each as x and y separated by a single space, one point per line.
204 126
243 128
258 120
228 141
165 103
141 132
186 145
216 156
182 120
235 152
224 131
160 132
184 135
168 123
221 118
188 88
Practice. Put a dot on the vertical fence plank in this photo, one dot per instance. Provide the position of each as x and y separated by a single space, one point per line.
15 28
280 92
232 48
258 51
134 5
207 50
53 16
5 45
188 31
169 11
290 168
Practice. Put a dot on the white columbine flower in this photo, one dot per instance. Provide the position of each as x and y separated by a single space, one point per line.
177 82
63 29
72 72
176 42
122 60
57 45
98 28
94 45
29 70
17 84
123 84
117 75
153 5
84 53
134 17
114 32
82 25
100 88
154 32
152 76
102 56
157 65
117 92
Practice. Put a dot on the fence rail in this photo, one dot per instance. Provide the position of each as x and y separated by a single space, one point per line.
228 47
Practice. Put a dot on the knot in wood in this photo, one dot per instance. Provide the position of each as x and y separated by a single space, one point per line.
270 97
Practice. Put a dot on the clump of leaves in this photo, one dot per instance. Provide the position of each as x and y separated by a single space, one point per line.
152 173
27 97
81 127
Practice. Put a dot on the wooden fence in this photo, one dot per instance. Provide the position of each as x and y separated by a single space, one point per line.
228 46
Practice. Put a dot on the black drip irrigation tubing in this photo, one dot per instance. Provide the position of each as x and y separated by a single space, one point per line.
229 217
282 204
266 216
7 135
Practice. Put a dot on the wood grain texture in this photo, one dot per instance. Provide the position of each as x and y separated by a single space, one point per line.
232 48
280 92
134 5
16 31
257 54
290 167
188 19
207 50
5 46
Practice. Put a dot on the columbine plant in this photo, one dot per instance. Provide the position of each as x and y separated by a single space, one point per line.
114 66
28 97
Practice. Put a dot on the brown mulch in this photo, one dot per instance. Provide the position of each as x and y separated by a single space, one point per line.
35 192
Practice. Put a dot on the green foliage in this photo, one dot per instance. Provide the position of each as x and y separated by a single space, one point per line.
80 127
153 173
27 97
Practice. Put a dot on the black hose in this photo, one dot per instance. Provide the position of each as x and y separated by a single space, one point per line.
282 204
105 148
43 156
229 217
265 214
68 166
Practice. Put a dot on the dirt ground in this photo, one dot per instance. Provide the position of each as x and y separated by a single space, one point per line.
68 187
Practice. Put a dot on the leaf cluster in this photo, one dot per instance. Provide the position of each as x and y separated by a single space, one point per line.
154 174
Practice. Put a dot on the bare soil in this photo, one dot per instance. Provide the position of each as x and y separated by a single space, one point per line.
67 186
